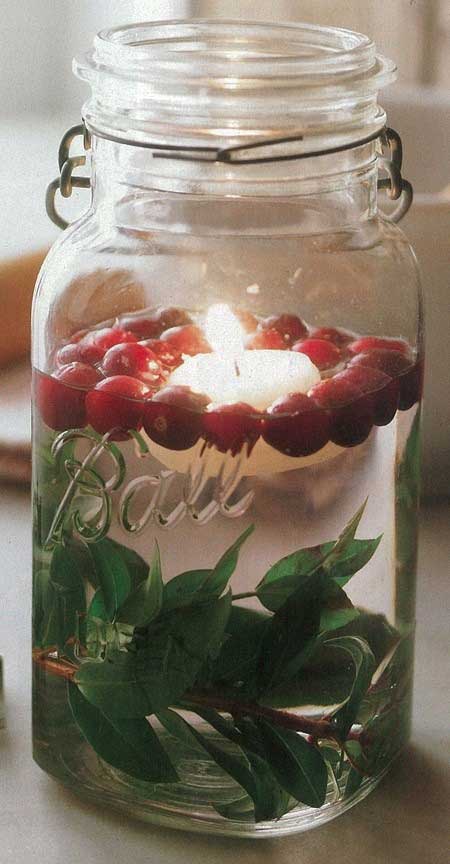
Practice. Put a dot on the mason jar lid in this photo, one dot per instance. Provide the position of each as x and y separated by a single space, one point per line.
223 83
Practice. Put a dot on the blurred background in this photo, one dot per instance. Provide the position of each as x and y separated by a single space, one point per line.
40 98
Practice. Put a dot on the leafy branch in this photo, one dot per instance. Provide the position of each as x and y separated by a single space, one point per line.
144 648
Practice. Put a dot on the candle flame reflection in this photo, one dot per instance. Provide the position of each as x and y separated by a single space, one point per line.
223 330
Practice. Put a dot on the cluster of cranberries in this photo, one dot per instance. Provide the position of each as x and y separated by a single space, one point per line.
115 380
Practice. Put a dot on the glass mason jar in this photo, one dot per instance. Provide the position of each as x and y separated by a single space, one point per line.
227 373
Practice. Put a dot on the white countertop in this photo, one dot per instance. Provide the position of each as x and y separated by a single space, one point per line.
402 822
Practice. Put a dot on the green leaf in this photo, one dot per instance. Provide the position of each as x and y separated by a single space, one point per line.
270 799
354 750
41 588
102 637
341 560
338 610
312 686
135 684
374 629
240 651
354 557
131 746
327 666
62 598
137 567
334 619
118 685
184 589
196 586
346 537
331 756
409 467
220 724
97 607
69 567
287 575
298 766
96 637
238 810
407 490
250 772
291 632
144 604
112 576
354 780
364 664
178 728
219 577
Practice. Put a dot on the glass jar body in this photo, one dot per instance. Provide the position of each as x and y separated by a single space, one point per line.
273 667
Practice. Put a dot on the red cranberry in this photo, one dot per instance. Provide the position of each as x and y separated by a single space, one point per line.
116 406
296 425
248 321
135 360
266 339
352 413
333 334
172 316
173 417
379 387
61 399
396 365
69 353
167 355
368 343
290 327
142 327
79 375
229 427
322 353
186 339
93 346
390 362
96 344
151 326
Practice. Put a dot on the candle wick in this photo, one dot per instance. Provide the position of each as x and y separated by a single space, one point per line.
236 369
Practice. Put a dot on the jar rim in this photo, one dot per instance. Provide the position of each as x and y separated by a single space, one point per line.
224 78
175 43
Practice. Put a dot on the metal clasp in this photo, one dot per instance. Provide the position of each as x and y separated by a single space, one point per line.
397 188
67 180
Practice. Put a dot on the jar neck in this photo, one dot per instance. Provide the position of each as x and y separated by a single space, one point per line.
135 189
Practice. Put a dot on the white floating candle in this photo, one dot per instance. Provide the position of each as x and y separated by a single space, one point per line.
230 374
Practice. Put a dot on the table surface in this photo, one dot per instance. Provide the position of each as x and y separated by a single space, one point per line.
403 821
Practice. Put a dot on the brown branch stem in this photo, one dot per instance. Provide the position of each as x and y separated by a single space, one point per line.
296 722
61 668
